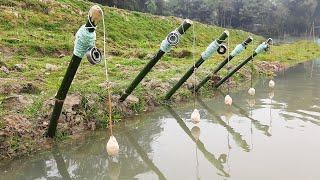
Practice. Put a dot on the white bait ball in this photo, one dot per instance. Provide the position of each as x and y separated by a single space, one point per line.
228 100
271 84
195 116
112 146
252 91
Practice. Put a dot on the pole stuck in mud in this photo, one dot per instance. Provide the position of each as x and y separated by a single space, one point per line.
172 39
237 50
84 45
211 49
261 48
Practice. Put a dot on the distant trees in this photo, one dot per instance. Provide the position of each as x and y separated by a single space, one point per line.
267 17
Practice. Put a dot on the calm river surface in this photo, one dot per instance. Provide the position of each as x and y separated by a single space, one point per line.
277 138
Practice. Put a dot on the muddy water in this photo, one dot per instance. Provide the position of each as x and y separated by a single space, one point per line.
276 138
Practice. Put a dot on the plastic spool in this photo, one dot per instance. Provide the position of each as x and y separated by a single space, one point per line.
94 56
222 49
173 38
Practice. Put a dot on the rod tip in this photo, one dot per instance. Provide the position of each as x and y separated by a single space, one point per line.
95 13
227 32
188 21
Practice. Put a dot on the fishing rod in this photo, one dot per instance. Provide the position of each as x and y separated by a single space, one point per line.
208 155
172 39
235 135
215 46
84 45
237 50
261 48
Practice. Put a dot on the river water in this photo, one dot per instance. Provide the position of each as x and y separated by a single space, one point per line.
273 136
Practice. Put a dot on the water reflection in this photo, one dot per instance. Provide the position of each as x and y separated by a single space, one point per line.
217 119
167 145
209 156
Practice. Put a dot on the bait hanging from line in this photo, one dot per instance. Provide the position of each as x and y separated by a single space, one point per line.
195 131
112 146
228 100
195 116
251 91
271 84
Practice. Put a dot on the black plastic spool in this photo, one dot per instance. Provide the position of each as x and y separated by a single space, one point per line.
173 38
94 56
222 49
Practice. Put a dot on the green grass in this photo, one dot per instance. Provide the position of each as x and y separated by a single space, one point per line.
35 33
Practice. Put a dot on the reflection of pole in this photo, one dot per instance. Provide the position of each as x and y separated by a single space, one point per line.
172 38
209 156
240 48
144 155
62 168
256 123
235 135
212 48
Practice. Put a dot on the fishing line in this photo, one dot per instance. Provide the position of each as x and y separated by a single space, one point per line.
228 99
112 144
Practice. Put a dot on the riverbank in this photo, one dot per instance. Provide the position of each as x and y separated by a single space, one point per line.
34 62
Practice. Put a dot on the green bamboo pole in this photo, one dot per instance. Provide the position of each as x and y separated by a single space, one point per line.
261 48
85 39
238 49
211 49
164 48
208 155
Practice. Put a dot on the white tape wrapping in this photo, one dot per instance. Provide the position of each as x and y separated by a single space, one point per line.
261 48
165 46
84 41
237 50
211 49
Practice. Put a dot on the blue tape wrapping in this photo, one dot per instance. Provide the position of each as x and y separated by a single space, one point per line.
85 40
237 50
211 49
262 48
165 46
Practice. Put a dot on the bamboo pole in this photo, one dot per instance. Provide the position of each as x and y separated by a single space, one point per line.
88 31
165 47
240 48
211 49
261 48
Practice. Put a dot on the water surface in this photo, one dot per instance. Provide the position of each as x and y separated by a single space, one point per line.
272 136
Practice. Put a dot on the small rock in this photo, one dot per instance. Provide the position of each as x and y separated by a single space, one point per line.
132 99
19 67
51 67
17 102
4 69
29 88
72 102
61 55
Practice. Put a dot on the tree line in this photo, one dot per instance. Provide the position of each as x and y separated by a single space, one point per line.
266 17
